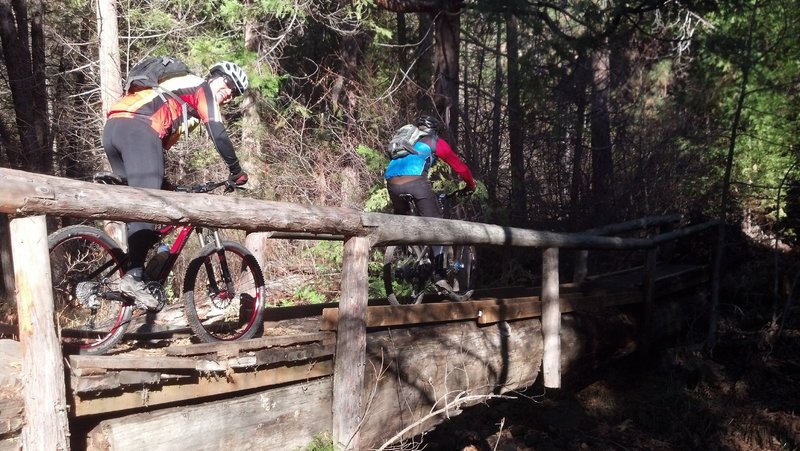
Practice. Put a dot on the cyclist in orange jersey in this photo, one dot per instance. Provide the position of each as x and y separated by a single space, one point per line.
143 124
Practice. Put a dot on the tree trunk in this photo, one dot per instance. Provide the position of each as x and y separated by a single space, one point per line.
519 207
109 59
423 75
711 338
577 188
447 21
110 86
497 110
602 163
446 56
25 78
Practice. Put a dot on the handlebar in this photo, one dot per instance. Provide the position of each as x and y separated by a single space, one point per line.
110 178
457 193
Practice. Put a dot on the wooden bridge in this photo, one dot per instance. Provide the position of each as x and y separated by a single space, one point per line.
368 372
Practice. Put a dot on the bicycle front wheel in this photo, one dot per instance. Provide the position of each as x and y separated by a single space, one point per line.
224 293
86 266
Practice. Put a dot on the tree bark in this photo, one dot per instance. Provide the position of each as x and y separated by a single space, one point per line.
577 187
423 74
109 59
497 123
25 78
519 207
602 162
446 27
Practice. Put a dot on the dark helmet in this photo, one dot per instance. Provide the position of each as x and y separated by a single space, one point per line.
430 122
232 72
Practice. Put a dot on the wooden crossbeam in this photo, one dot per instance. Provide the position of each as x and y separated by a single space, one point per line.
202 387
235 347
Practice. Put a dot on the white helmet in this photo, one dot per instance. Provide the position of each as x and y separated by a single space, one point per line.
232 72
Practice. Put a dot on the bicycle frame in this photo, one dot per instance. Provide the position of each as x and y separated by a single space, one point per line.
222 286
414 264
184 232
177 247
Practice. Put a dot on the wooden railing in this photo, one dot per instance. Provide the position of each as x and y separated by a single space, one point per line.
27 198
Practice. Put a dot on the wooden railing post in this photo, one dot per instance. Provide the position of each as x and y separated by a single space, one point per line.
351 345
551 319
581 266
46 424
648 287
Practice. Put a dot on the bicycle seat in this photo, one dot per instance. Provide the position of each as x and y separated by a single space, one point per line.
109 178
407 197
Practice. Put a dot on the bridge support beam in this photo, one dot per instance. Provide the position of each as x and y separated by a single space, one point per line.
351 345
551 319
46 425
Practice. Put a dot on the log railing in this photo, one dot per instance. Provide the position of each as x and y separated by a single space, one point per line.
28 197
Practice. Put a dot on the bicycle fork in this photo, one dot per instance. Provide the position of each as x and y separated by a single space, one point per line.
225 271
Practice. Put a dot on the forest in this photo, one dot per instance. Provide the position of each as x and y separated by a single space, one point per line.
571 114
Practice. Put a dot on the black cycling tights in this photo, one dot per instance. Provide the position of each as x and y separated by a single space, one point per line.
134 151
424 199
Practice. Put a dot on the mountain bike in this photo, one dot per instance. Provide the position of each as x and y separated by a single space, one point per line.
408 270
223 286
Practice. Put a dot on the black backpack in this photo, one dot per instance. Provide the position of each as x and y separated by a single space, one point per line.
151 72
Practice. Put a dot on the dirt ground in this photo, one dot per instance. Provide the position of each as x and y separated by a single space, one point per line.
745 397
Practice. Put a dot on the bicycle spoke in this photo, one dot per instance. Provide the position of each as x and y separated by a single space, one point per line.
86 268
224 294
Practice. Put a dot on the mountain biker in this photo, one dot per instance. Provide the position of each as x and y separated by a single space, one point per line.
144 124
409 175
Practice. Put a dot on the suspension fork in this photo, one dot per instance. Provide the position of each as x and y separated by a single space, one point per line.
219 249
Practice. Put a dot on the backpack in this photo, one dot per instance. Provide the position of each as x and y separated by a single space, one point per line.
402 143
150 72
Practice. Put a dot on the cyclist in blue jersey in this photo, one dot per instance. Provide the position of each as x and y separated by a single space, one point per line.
409 175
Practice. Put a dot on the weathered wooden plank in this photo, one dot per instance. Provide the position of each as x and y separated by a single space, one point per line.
142 362
397 315
113 380
235 347
276 419
307 352
95 384
533 307
42 365
203 387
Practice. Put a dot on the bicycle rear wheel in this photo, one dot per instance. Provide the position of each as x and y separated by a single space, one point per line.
462 263
224 293
405 274
86 266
